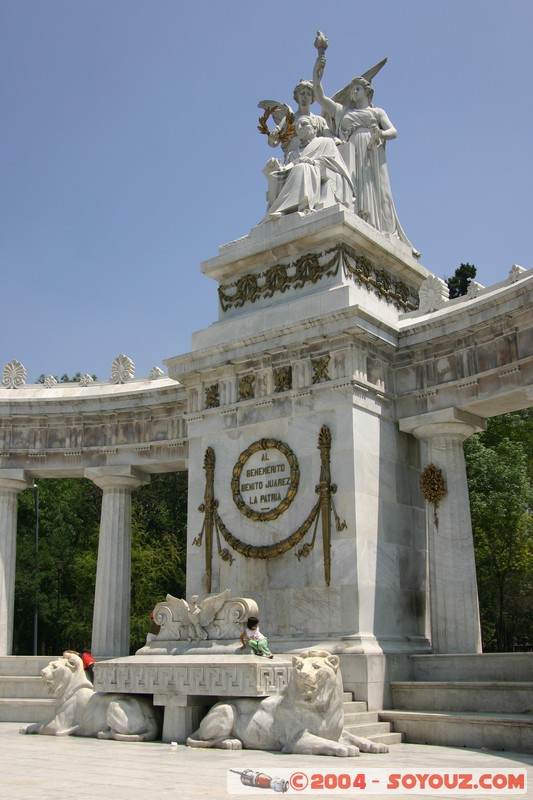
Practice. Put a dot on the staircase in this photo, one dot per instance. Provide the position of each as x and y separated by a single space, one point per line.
23 696
360 722
483 700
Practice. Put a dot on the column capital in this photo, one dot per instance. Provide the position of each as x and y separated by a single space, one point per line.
15 479
119 477
447 422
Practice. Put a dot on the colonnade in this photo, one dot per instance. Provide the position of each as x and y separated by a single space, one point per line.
451 568
111 615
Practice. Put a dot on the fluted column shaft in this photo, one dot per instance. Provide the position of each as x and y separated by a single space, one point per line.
11 483
111 615
454 607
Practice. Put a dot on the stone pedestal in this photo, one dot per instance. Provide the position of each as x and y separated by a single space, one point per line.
12 481
111 616
186 686
330 545
455 626
181 716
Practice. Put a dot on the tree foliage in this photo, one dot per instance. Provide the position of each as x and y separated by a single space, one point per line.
499 479
62 585
459 282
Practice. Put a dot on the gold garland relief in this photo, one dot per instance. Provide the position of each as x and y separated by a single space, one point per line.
312 267
322 509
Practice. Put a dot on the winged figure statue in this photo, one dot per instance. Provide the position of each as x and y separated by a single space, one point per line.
198 616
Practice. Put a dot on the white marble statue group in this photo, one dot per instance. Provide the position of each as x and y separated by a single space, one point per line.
338 157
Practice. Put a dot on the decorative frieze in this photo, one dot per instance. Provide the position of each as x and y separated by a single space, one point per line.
283 379
198 675
212 396
246 387
320 368
313 267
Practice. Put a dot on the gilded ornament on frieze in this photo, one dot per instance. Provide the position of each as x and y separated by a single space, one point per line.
312 267
283 379
212 396
320 368
246 387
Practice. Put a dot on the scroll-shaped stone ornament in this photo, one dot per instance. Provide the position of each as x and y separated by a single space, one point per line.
13 375
473 289
50 381
122 369
433 294
216 617
86 380
156 373
515 273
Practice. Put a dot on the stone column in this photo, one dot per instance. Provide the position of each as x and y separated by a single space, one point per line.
12 481
111 615
453 593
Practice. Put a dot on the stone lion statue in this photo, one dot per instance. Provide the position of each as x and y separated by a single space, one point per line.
306 718
80 711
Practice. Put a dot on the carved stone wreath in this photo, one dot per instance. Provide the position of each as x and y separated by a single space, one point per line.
265 445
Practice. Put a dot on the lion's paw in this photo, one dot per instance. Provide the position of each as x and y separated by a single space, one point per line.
375 747
231 744
351 750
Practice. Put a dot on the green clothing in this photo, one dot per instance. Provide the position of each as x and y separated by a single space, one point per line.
259 646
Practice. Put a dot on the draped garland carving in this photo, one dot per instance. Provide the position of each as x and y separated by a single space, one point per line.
322 510
311 268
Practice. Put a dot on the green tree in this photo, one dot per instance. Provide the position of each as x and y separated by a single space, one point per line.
459 282
62 587
64 378
69 512
498 465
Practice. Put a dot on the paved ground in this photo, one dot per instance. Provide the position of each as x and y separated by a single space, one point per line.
68 768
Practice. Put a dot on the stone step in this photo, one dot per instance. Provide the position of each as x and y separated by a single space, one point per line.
369 729
510 732
22 709
24 665
515 697
12 686
360 717
361 722
354 706
384 738
475 667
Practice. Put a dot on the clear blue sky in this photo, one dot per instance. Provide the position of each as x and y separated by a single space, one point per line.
129 152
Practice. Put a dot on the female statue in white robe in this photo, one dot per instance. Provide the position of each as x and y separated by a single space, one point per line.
364 131
313 177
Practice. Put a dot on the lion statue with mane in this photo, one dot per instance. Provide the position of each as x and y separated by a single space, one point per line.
306 718
80 711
